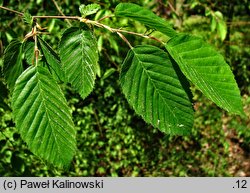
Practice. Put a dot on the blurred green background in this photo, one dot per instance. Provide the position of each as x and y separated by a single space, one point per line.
111 139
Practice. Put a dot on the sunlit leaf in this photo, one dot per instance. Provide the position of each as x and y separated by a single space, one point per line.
213 23
144 16
42 116
221 25
79 56
152 87
207 69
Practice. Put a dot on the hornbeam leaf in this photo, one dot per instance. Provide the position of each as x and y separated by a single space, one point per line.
52 60
43 117
12 64
29 54
153 88
144 16
207 69
79 56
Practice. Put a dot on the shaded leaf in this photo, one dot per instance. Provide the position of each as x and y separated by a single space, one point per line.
79 56
12 64
144 16
29 55
152 87
43 117
52 60
207 69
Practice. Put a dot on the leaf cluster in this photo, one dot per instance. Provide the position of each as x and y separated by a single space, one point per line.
155 81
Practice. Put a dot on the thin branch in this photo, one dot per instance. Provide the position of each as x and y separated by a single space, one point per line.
125 39
96 23
98 122
11 10
105 17
110 60
57 17
60 11
119 30
173 9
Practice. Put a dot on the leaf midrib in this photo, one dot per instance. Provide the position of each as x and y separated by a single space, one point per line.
39 82
152 82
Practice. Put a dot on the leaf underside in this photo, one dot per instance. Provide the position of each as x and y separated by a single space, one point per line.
79 56
12 63
152 87
206 69
144 16
43 117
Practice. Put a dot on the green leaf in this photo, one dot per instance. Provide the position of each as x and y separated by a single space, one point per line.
152 87
89 9
144 16
218 15
108 73
29 55
213 23
43 117
52 59
222 29
12 64
79 56
207 69
194 4
27 18
221 25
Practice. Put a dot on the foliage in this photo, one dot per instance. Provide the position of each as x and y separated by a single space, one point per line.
89 9
36 101
144 16
81 45
201 64
12 66
153 87
89 126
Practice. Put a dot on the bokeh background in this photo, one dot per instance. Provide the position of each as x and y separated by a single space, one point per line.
111 139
